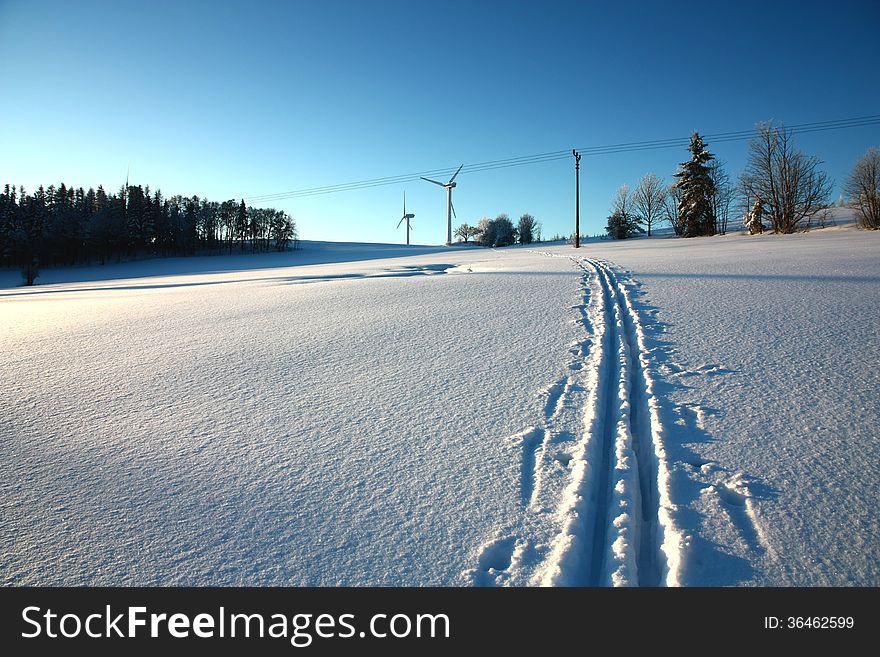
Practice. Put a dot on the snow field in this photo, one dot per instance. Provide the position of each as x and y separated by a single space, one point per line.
328 424
640 413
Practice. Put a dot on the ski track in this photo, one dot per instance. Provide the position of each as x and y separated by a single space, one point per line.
594 487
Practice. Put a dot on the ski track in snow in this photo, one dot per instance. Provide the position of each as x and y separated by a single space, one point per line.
594 478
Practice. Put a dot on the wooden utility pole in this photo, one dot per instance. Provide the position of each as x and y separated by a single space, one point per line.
577 198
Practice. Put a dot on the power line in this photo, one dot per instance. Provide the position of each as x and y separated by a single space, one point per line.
558 155
552 156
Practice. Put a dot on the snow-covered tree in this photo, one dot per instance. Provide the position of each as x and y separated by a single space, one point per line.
753 218
526 229
497 232
697 190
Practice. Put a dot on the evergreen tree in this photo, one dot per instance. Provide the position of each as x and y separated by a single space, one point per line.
175 223
241 224
526 229
120 236
162 227
697 190
753 219
622 225
8 222
136 214
190 233
53 233
80 220
27 239
100 198
227 221
98 228
63 226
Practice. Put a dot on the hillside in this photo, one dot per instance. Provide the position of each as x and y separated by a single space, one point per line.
686 412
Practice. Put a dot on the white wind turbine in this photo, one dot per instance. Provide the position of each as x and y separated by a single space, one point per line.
406 217
450 209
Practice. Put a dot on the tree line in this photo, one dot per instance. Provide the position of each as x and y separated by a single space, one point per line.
66 226
500 231
780 184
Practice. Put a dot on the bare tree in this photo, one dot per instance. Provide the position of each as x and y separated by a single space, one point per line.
670 209
623 201
790 183
722 199
465 232
648 199
863 189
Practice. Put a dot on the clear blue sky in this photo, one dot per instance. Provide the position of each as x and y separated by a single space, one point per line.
230 100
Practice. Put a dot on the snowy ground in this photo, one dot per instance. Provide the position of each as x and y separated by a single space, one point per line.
654 412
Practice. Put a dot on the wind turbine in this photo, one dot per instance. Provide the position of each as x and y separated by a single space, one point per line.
450 209
407 217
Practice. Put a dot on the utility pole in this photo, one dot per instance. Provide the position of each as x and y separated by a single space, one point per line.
577 198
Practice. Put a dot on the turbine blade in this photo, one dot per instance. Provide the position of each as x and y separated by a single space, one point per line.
453 209
455 174
404 203
433 181
400 222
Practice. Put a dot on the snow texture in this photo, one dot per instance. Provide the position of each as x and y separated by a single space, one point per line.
637 413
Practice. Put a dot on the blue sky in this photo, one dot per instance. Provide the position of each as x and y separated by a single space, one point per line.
231 100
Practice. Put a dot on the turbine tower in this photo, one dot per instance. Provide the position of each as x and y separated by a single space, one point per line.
407 217
450 209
